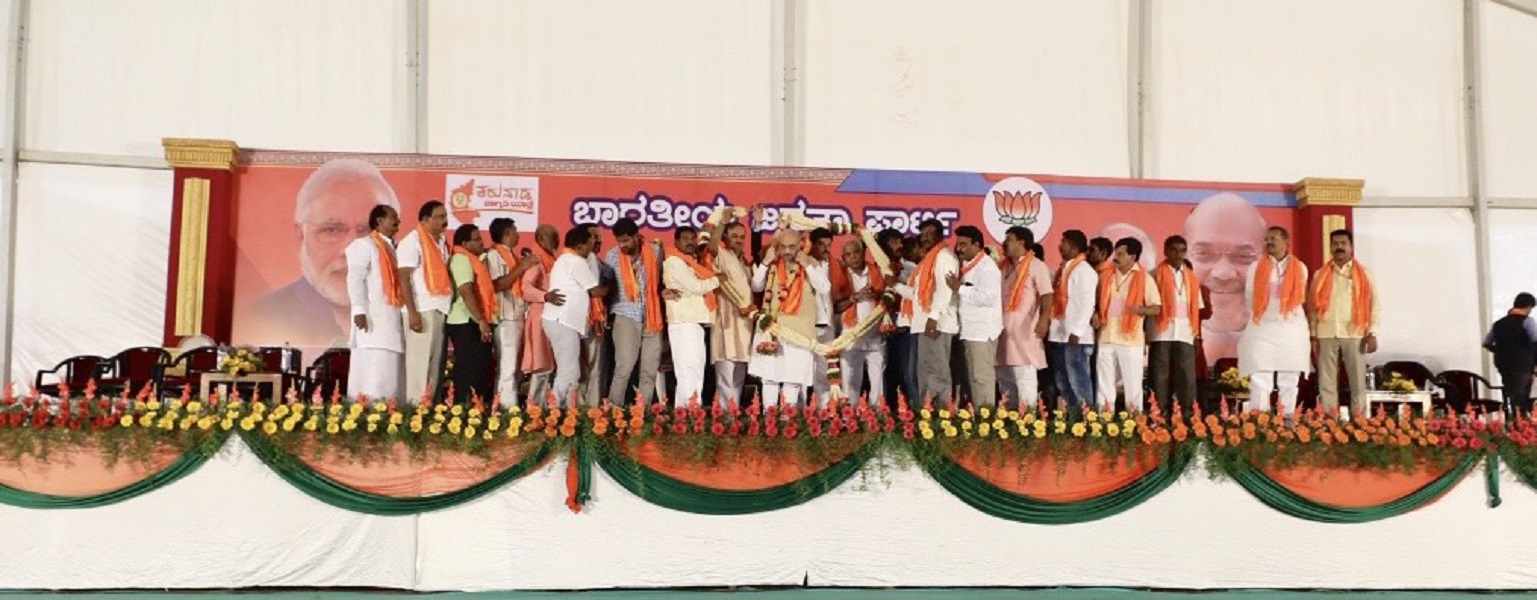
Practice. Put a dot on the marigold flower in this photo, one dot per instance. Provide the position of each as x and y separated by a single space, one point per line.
1078 429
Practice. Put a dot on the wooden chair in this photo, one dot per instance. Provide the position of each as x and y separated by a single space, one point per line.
328 374
133 369
75 372
1465 389
187 370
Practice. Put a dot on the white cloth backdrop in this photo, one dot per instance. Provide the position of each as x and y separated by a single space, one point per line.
91 248
1257 90
1509 97
1423 261
235 524
1003 85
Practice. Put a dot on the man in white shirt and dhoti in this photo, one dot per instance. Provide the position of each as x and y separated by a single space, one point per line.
731 335
377 344
789 297
857 287
691 305
1274 349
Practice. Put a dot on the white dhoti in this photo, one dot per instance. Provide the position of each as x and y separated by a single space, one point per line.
787 372
509 342
819 384
688 357
1121 365
1019 384
376 373
1274 354
856 363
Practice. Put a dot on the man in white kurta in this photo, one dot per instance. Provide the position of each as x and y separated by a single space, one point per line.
1274 350
931 308
787 372
979 290
821 266
376 342
866 357
507 270
690 307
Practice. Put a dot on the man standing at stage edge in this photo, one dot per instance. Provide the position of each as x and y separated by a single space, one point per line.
423 261
375 294
690 306
1171 355
638 322
930 307
979 288
1344 313
1273 351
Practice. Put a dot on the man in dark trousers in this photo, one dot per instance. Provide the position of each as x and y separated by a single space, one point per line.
1511 340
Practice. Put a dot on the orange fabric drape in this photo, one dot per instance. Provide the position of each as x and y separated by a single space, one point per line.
387 270
1016 297
703 271
434 264
843 286
923 281
1059 297
1361 296
742 470
1043 478
1293 289
632 285
81 471
1164 275
397 474
1135 298
484 289
1351 488
790 291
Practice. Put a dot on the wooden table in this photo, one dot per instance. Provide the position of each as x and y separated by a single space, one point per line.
1402 399
223 382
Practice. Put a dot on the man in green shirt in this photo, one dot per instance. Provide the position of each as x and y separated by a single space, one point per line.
471 316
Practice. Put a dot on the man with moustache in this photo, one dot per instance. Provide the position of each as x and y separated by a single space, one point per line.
1343 310
330 212
377 344
821 270
897 350
1071 335
1226 235
1171 351
1273 351
507 269
1026 295
423 261
731 334
930 306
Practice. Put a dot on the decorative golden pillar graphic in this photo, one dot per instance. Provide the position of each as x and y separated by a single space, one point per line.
1323 205
200 269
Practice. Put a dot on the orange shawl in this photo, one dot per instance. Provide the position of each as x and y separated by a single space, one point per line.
789 292
632 284
392 295
1293 289
545 259
1164 275
434 265
703 271
484 289
923 280
1017 290
1361 298
1135 298
1059 299
843 286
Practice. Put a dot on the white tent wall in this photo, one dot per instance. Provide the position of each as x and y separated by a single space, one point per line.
1235 90
1510 107
1258 90
665 81
1036 86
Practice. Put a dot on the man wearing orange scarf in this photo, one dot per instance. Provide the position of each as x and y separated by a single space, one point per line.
1026 298
422 258
1071 335
376 341
978 288
507 269
566 323
931 308
1273 351
731 332
789 291
690 306
857 286
1343 309
1126 295
637 322
1171 353
472 316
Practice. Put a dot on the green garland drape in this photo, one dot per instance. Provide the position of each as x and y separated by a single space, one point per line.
334 493
998 502
184 466
1276 496
675 494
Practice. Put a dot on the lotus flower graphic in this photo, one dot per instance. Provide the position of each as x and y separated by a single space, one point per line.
1017 208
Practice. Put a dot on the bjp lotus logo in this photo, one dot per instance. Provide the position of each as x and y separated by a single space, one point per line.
1017 202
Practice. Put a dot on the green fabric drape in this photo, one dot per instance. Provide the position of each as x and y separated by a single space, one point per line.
1276 496
334 493
1492 480
998 502
184 466
675 494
